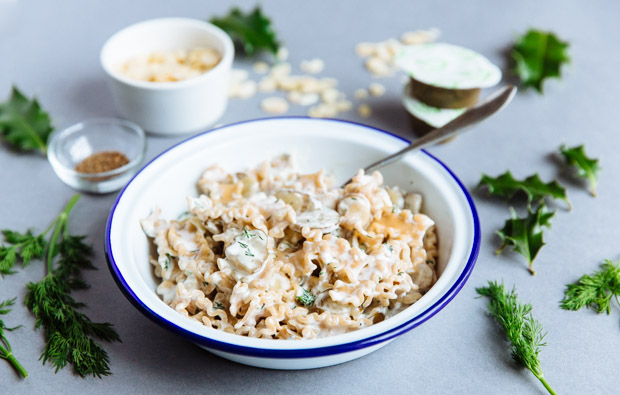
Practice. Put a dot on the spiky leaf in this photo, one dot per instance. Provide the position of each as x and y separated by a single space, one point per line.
525 235
539 55
23 123
587 168
252 30
507 187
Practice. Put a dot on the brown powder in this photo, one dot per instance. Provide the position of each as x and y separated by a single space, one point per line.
101 162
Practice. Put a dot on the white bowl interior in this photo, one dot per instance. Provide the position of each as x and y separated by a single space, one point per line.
341 148
164 34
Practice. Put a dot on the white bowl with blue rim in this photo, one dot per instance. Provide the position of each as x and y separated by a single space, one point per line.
340 147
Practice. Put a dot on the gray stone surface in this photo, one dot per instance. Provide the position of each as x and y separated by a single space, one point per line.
51 48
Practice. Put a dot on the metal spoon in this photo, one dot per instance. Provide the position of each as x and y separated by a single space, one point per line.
472 116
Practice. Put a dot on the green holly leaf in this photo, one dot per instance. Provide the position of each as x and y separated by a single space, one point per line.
525 235
587 168
252 30
507 187
23 123
539 55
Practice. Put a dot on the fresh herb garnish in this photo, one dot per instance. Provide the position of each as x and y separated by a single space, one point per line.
22 246
522 330
252 30
506 186
248 253
69 333
539 55
168 261
23 123
594 290
306 298
585 167
389 247
525 235
243 245
246 233
218 305
6 351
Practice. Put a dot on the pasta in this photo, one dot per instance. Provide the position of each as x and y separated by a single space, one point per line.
274 254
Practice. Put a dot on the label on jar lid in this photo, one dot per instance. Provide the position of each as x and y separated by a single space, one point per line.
433 116
447 66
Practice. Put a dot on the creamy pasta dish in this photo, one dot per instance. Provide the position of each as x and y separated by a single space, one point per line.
275 254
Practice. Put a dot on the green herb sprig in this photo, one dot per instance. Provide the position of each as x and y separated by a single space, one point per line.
70 334
596 290
306 298
523 331
539 55
23 123
585 167
6 351
252 30
525 235
506 186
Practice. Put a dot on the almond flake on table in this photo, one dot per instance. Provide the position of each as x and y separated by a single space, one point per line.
420 36
330 95
365 50
282 54
364 110
323 110
313 66
344 105
274 105
376 89
303 99
378 67
360 94
281 70
267 85
246 89
260 67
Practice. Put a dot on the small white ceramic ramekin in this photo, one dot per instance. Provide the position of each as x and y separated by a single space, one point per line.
169 108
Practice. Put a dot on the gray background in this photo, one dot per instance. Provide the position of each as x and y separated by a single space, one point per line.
51 48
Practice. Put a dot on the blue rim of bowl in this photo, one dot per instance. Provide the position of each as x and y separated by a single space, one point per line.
387 335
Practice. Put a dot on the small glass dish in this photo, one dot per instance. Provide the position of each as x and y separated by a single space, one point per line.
69 147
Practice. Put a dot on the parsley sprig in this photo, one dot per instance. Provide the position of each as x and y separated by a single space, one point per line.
23 123
70 334
522 330
596 290
6 351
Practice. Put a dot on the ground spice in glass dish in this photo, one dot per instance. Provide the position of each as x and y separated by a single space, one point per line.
101 162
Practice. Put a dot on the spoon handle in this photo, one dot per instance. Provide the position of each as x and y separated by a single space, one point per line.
472 116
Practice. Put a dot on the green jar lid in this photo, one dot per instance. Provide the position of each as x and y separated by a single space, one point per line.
447 66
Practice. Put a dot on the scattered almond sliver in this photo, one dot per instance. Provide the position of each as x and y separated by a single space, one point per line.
313 66
376 89
260 67
364 110
274 105
379 55
320 93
